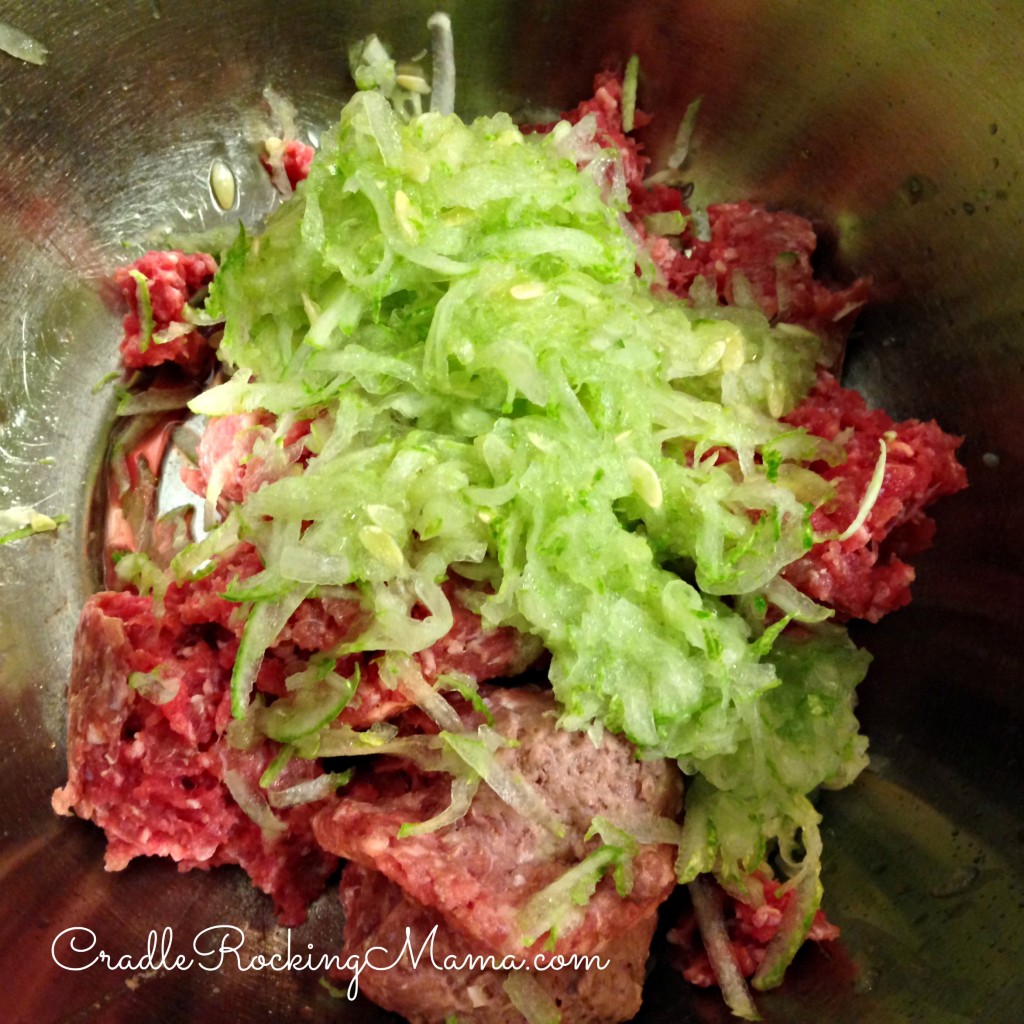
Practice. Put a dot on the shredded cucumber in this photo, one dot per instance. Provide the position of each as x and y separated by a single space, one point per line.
314 704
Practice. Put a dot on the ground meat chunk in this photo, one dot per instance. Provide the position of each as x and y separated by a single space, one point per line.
378 914
765 256
148 763
290 156
605 106
227 466
475 651
479 873
223 454
317 624
865 576
750 927
468 648
297 159
173 278
753 255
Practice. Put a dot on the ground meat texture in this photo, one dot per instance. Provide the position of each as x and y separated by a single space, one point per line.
149 765
475 651
222 457
378 914
297 159
151 774
479 873
173 278
606 108
320 624
754 256
467 648
750 926
865 576
291 156
760 257
317 624
229 466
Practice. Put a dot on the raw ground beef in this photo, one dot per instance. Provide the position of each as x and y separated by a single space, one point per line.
467 648
760 257
291 156
865 576
751 927
227 467
297 158
754 255
606 107
479 873
173 278
320 624
152 774
378 914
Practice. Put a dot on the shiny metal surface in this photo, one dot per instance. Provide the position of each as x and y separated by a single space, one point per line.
900 127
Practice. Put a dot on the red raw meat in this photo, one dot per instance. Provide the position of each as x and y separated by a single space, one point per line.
469 648
226 465
771 251
606 107
482 654
751 927
479 873
173 278
378 914
152 774
295 159
865 576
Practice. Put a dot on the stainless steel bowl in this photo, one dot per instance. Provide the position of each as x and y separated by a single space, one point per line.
898 127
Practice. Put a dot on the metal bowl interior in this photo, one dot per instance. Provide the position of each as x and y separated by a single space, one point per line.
897 127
